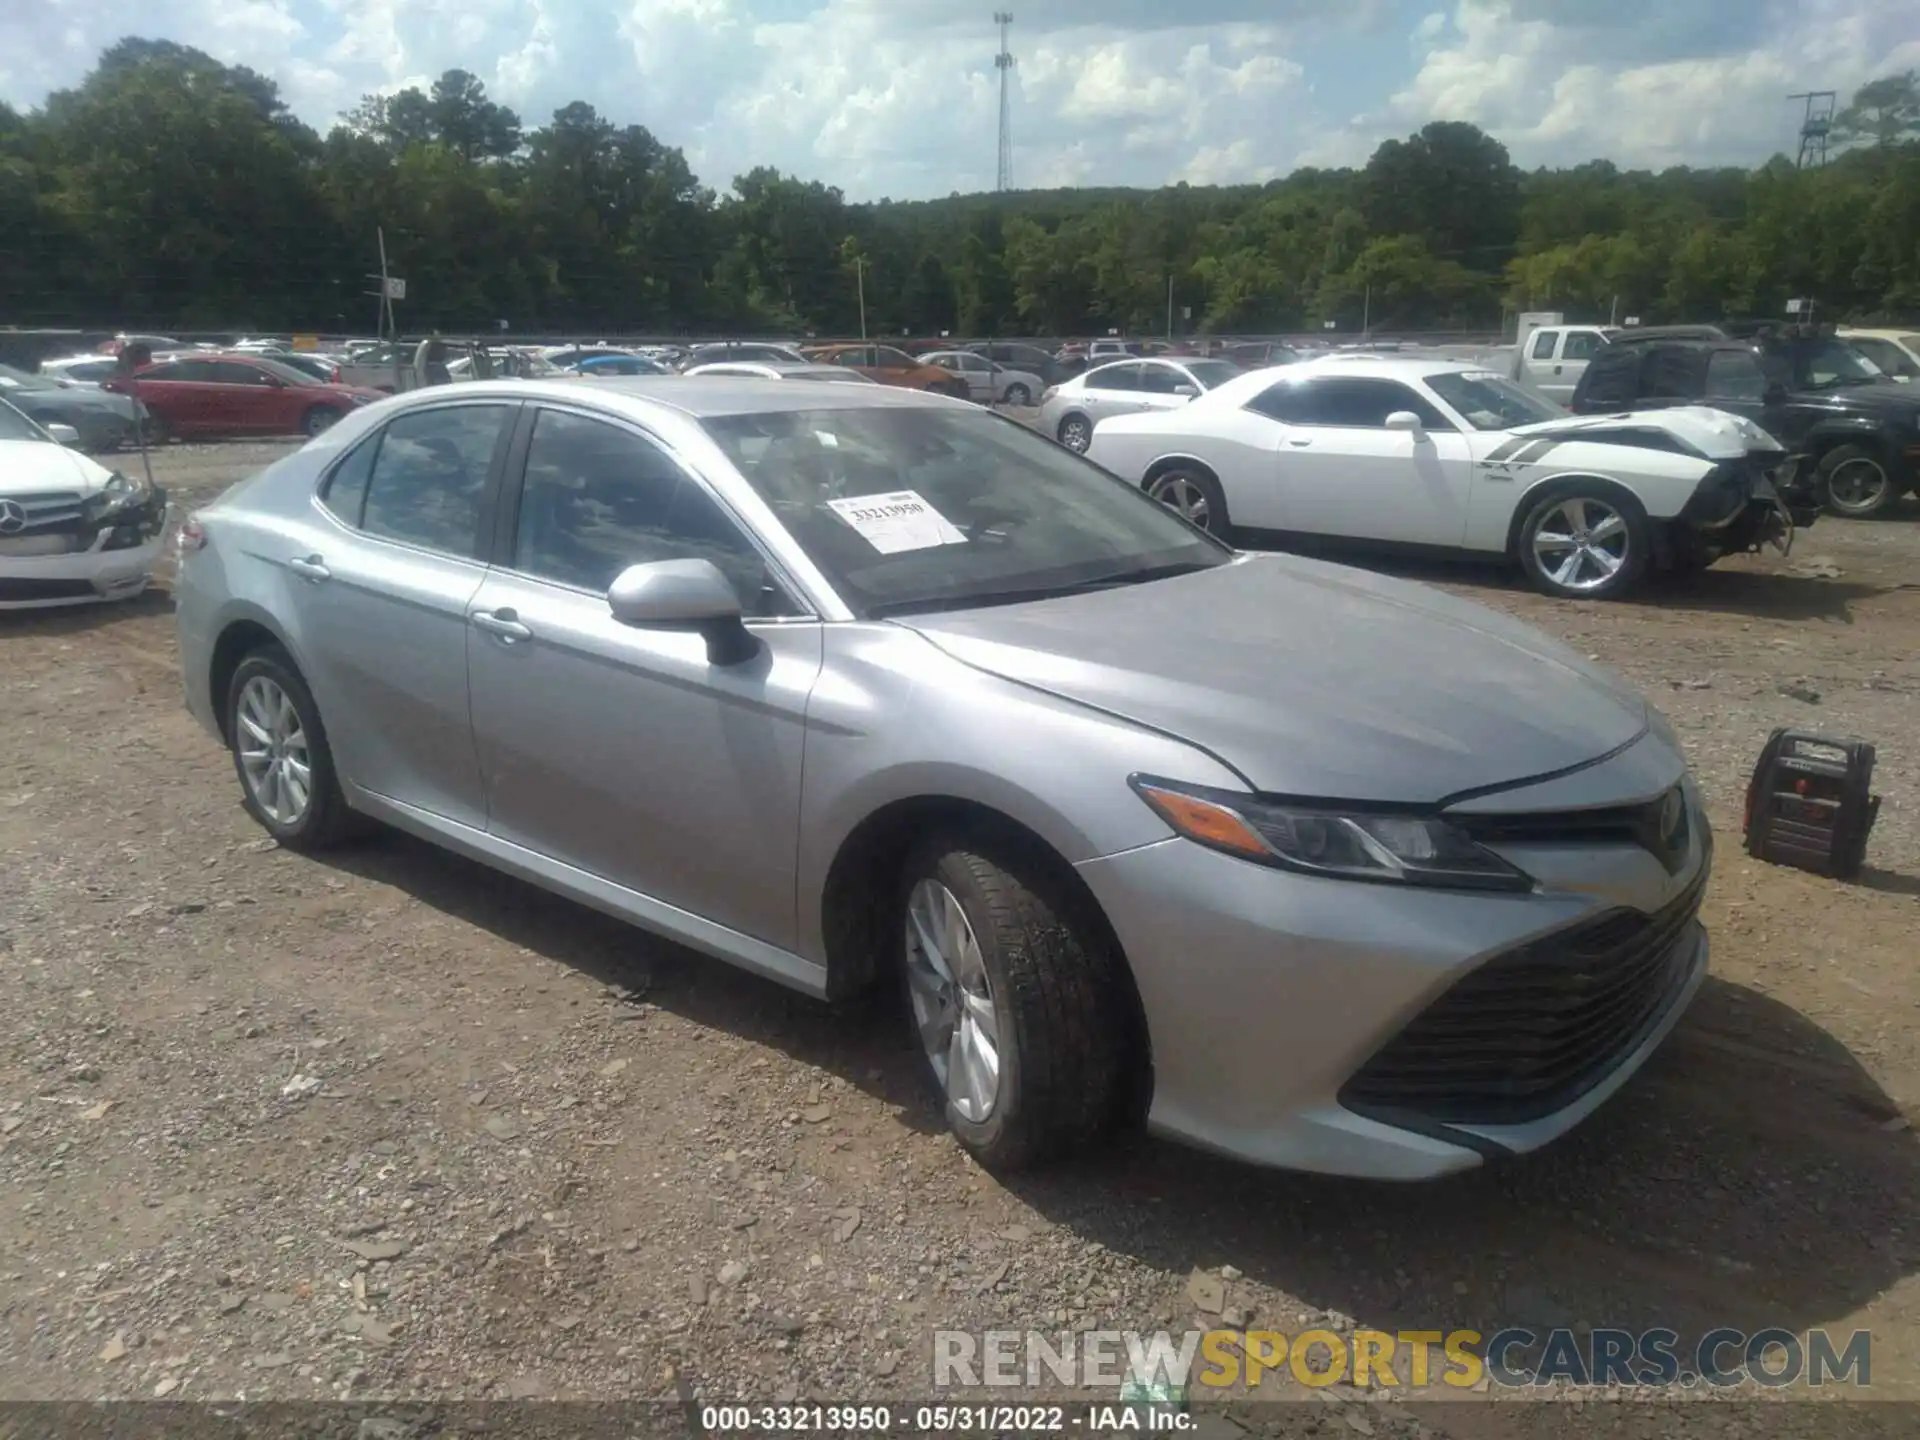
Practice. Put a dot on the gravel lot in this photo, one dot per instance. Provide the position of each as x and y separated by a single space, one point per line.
393 1125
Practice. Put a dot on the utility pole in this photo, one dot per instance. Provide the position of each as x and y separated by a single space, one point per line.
1003 62
383 325
1169 307
1814 125
1366 315
860 284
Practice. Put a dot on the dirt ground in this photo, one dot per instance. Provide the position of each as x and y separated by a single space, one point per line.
390 1124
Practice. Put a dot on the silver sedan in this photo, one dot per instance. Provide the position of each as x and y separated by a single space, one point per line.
853 686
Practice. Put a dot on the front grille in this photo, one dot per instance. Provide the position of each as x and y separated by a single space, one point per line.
17 591
41 512
1661 827
1532 1030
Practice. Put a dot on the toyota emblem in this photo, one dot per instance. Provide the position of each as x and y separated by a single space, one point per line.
1673 813
13 517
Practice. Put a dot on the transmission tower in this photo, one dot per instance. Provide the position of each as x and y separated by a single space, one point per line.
1815 126
1003 62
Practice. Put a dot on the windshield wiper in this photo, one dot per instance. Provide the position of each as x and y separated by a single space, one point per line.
969 601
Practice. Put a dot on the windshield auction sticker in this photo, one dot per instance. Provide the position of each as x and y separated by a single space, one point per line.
896 522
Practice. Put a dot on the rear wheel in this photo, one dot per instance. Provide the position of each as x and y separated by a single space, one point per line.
281 756
1584 544
1014 998
1017 395
1194 494
1076 433
1856 481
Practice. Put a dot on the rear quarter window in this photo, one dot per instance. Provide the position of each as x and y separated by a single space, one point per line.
1612 380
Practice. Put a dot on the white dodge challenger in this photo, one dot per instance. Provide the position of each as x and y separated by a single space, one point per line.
1444 456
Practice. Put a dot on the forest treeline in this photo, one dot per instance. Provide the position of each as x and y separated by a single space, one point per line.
169 191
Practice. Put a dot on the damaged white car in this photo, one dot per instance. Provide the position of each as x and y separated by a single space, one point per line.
71 530
1439 456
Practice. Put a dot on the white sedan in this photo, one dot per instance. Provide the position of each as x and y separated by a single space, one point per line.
988 381
1069 412
1449 457
70 529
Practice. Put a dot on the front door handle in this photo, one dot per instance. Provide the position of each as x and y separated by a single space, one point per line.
501 623
310 567
1299 440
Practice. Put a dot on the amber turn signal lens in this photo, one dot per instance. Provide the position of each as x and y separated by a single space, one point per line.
1204 821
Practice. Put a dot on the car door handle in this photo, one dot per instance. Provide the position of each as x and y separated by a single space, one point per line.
310 567
1299 440
501 623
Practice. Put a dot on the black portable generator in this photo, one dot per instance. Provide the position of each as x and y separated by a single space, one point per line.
1811 804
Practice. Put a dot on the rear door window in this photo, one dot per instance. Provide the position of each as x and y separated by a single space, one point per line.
430 476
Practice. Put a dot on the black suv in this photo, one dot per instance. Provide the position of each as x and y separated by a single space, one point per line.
1858 432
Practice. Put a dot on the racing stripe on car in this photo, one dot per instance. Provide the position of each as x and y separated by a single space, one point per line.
1535 450
1505 450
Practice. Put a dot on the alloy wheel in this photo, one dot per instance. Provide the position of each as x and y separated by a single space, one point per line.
953 1005
1857 486
1180 492
1581 544
1076 434
274 756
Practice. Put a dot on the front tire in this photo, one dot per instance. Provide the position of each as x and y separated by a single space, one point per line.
1076 433
1014 998
1856 482
281 756
319 420
1585 544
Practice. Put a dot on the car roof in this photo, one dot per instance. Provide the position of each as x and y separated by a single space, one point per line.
697 396
1376 366
766 368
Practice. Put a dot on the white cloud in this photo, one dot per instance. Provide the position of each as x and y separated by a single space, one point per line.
1558 92
901 97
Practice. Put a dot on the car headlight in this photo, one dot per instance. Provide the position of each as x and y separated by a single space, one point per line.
120 493
363 399
1340 842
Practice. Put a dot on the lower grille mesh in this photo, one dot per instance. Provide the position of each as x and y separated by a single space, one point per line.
1532 1030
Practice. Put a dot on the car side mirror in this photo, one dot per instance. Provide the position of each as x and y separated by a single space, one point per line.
1188 391
1406 420
63 434
684 595
1776 394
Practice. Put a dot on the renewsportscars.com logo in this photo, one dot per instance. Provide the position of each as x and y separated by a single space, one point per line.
1162 1365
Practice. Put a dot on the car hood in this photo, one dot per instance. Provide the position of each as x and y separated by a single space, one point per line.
1313 679
1717 434
34 467
1882 396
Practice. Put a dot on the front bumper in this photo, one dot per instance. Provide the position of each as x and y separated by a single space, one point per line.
111 559
1266 993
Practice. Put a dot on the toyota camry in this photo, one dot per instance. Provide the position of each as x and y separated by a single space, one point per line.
855 687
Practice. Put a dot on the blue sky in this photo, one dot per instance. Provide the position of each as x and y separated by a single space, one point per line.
898 97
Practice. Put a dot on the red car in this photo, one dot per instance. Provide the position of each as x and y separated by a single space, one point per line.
237 395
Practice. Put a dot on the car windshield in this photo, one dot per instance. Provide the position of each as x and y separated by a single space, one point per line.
1210 372
12 379
916 509
1823 364
15 426
1488 401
